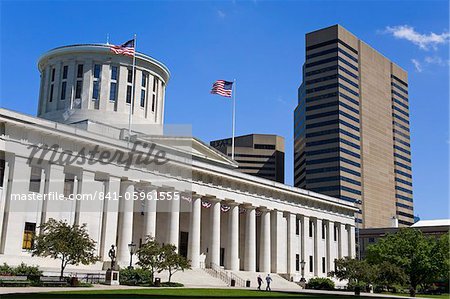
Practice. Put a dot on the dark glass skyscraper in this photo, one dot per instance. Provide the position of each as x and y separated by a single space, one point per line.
351 128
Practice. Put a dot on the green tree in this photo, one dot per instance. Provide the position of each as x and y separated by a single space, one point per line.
421 258
69 243
172 261
150 257
387 274
358 273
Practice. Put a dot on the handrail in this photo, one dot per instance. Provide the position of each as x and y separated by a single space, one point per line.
226 276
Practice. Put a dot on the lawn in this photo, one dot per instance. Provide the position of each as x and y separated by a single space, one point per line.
175 293
167 293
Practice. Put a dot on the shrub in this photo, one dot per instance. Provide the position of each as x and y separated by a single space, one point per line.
172 284
134 277
320 283
32 272
6 270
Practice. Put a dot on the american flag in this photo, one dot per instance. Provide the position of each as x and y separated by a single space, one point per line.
124 49
222 88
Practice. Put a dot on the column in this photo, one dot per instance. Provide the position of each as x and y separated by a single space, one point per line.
351 242
174 222
264 252
250 240
194 232
109 230
149 229
125 229
306 243
215 232
317 242
341 232
291 242
329 240
233 237
278 248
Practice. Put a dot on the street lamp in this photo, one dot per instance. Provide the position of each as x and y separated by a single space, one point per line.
131 248
302 265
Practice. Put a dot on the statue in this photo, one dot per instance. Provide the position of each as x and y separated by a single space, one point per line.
112 256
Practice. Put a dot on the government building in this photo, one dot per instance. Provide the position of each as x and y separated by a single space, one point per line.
93 157
351 128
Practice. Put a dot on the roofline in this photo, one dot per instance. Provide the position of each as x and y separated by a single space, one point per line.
100 48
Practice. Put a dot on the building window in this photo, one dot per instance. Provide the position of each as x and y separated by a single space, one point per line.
335 233
311 268
35 179
142 98
155 92
323 265
65 71
113 92
130 76
129 90
52 85
63 90
324 227
78 88
95 90
80 71
97 71
2 171
28 235
311 228
297 262
69 183
113 85
113 72
96 83
297 227
143 89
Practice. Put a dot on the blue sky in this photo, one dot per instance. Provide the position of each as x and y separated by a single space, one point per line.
261 44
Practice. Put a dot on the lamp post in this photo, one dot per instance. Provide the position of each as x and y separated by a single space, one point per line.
131 248
302 265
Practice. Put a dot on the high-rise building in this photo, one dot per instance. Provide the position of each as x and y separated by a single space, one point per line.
257 154
351 128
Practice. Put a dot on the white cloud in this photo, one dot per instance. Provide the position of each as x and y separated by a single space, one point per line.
424 41
221 14
417 65
437 60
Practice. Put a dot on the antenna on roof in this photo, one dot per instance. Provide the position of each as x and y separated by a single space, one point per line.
107 38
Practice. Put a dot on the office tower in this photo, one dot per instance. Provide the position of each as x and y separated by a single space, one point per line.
351 128
257 154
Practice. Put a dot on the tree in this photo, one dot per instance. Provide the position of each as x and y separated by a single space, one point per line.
387 274
69 243
150 257
358 273
172 261
421 258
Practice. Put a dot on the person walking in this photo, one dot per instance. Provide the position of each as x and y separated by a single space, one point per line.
268 281
259 282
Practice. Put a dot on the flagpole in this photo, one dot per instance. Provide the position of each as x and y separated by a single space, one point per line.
233 119
130 117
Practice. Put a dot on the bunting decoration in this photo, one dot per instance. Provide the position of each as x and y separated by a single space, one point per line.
225 208
206 204
186 197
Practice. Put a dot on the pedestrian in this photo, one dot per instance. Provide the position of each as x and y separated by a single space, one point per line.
259 282
268 280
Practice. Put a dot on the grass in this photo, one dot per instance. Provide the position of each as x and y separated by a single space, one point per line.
177 293
167 293
442 296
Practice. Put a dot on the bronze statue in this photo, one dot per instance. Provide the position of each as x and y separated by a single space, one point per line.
112 256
